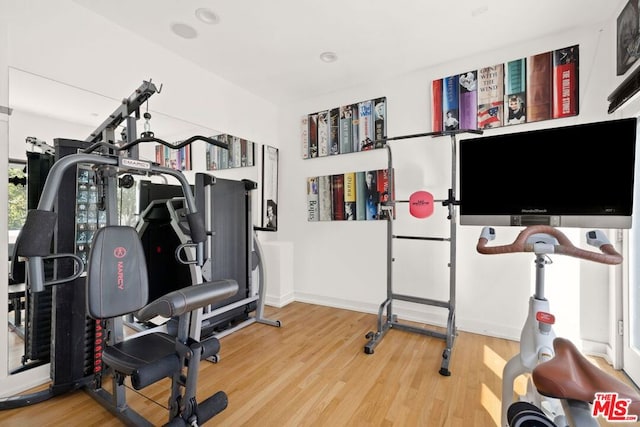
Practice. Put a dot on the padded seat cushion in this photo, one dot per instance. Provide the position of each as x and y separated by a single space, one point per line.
146 358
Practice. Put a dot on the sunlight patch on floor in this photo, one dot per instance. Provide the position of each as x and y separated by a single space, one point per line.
491 403
493 361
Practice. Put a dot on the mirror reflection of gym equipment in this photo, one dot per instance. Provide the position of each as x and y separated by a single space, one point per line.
197 257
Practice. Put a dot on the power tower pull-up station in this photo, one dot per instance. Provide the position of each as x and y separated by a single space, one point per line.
421 206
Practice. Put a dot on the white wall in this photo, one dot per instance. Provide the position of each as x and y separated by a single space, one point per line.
343 263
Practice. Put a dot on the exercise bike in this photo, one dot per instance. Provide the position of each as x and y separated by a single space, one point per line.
563 383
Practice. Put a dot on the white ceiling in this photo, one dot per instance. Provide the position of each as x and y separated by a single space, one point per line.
271 48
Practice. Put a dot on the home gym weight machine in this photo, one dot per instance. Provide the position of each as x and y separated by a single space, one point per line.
390 319
74 348
61 309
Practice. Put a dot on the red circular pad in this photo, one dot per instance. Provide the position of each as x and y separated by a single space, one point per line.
421 204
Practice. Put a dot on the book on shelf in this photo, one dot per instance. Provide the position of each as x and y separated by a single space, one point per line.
222 157
230 152
243 152
323 133
346 142
355 127
250 153
436 105
225 154
361 196
304 136
468 100
450 103
565 82
371 195
350 207
160 155
325 198
210 158
515 87
365 125
186 159
337 190
237 152
539 87
380 121
213 154
313 135
312 199
334 131
491 96
385 193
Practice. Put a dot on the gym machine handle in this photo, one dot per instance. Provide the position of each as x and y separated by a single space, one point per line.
133 143
33 244
561 245
78 268
186 260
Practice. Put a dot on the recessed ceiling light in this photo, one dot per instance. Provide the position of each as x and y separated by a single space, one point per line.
184 30
479 10
207 16
328 56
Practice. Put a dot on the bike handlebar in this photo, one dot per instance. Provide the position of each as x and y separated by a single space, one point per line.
608 254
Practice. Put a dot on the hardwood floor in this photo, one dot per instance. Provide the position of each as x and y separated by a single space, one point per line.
313 371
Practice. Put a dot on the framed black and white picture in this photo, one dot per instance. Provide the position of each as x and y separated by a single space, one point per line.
269 188
627 30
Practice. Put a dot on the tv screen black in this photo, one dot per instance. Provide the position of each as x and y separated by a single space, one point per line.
572 176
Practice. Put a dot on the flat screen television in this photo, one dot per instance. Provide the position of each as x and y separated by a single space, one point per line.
572 176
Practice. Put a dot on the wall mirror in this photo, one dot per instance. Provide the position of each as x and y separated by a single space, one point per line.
44 109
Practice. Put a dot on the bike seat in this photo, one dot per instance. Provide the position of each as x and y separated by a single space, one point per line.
570 375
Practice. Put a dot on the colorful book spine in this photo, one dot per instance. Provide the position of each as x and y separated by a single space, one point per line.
380 121
313 199
337 189
323 133
371 195
491 97
355 128
313 135
325 198
160 155
334 131
350 207
365 125
174 162
539 87
346 142
450 103
515 80
304 136
361 196
384 194
565 82
436 105
187 158
468 98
